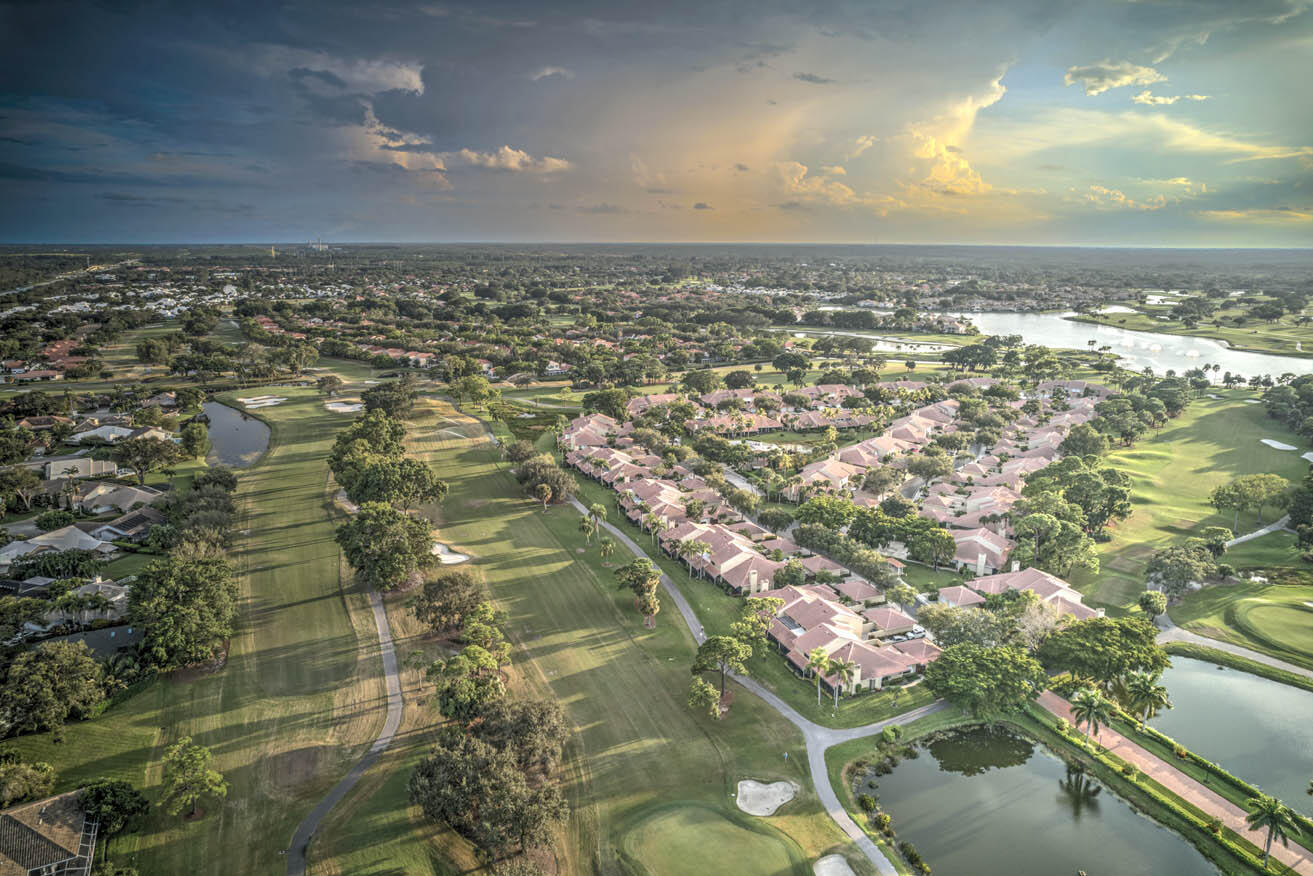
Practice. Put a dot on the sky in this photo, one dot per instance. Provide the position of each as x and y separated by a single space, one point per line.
1125 122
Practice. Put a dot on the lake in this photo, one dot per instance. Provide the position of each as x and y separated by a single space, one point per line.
1258 730
1137 349
237 439
989 802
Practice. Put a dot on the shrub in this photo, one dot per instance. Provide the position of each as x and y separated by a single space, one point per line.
54 519
866 802
1180 751
884 824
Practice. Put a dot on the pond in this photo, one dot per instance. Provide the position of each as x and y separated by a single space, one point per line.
1137 349
989 802
1256 729
238 439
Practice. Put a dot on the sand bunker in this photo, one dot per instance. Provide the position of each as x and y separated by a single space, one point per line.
1276 445
343 407
1253 401
1308 456
262 401
756 798
1213 395
832 865
446 556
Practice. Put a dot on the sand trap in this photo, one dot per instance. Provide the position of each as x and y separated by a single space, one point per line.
1308 456
756 798
1213 395
1253 401
1277 445
446 556
262 401
832 865
343 407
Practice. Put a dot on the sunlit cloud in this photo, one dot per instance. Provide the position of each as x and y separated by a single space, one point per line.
1277 215
551 73
1107 75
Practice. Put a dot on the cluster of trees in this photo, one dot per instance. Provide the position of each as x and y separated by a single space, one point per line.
992 668
186 603
848 551
543 479
1174 568
1292 404
896 521
1129 416
723 655
1253 492
491 775
385 543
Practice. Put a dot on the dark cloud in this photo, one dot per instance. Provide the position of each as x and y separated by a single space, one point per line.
814 79
702 205
741 167
602 209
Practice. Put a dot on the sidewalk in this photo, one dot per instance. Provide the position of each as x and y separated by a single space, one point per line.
1193 792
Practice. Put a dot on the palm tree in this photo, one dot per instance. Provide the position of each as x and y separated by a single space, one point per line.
1147 694
587 526
544 494
1091 708
1278 818
597 511
818 662
652 522
605 547
844 671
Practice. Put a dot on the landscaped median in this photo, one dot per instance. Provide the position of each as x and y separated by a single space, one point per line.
1230 852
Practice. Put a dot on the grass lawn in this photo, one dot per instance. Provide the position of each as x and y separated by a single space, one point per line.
640 763
301 694
928 580
1172 473
1277 337
1272 618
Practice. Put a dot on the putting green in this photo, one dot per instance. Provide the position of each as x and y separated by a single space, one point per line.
690 837
1284 625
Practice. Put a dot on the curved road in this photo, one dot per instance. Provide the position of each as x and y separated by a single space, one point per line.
305 831
1172 633
818 738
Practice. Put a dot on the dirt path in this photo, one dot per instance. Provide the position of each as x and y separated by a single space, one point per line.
1193 792
305 831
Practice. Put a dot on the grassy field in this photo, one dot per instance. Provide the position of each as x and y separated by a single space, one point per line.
1281 337
1172 473
300 696
641 764
1275 619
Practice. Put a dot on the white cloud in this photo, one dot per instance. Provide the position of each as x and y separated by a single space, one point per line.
864 142
1279 215
360 75
551 73
1148 98
510 159
1105 198
1106 75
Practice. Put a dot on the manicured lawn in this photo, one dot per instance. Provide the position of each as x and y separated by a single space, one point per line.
1272 618
1172 473
638 752
928 580
299 698
1278 337
679 837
